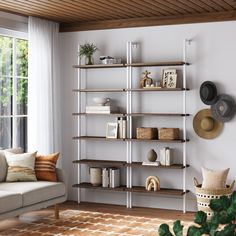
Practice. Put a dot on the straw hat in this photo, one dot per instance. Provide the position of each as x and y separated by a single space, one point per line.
224 109
208 93
205 125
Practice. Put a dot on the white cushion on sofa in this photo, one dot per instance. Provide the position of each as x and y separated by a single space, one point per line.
9 201
34 192
3 163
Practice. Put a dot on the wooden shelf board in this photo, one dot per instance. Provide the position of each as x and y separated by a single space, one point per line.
165 63
90 186
162 191
134 189
100 162
132 114
100 90
98 66
129 139
173 166
124 163
157 89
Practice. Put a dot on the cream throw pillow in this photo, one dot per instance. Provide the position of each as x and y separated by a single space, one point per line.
214 179
3 163
20 167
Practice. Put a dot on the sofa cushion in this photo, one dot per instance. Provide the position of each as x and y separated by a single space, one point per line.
9 201
35 192
3 163
20 166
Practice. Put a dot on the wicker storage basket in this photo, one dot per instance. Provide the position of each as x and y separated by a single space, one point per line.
168 133
146 133
204 196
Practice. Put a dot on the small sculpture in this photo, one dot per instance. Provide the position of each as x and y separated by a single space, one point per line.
152 182
152 155
146 81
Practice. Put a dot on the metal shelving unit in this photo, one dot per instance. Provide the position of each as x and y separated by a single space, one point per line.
129 164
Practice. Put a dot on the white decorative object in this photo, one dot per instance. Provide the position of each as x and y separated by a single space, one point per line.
165 74
163 156
114 177
111 131
105 177
95 176
169 157
101 101
171 81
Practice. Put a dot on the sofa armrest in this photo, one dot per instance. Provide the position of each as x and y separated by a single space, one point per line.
60 175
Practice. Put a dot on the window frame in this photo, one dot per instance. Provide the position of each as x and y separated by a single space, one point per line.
14 35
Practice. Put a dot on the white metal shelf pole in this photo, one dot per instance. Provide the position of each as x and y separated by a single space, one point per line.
130 123
127 111
184 125
79 125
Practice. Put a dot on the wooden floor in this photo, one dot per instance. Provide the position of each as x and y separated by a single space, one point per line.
136 211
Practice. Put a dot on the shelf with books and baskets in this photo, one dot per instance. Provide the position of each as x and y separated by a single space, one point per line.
122 130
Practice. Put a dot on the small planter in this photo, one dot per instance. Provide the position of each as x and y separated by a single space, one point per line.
204 196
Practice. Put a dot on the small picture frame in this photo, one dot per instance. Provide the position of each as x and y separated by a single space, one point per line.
165 74
111 131
171 81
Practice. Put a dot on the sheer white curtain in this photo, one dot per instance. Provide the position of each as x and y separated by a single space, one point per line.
43 87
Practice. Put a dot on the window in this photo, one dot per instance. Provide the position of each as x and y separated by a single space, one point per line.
13 91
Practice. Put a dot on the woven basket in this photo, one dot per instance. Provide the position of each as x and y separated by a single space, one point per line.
204 196
168 133
147 133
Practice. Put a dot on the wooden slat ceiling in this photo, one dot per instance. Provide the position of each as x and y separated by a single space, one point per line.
77 15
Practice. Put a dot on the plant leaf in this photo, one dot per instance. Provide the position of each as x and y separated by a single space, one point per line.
225 201
216 205
233 197
200 217
193 231
224 218
232 211
178 228
164 230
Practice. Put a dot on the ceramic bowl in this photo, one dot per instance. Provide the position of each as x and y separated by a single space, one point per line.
100 101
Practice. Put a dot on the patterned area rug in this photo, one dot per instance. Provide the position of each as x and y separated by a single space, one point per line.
75 222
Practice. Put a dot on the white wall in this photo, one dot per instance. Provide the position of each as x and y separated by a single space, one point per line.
212 55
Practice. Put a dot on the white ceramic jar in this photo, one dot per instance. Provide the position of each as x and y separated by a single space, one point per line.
95 176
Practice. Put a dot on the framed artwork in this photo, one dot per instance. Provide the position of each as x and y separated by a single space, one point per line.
165 74
171 81
111 131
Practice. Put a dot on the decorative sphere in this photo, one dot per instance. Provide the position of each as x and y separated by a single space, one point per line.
152 155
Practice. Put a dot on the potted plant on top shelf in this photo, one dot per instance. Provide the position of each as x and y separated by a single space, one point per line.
87 50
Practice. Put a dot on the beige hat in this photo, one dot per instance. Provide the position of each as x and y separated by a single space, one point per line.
205 125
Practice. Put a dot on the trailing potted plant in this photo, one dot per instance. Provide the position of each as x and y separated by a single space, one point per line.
222 223
87 50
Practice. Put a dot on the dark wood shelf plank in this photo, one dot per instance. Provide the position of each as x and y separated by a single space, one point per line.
90 186
124 163
139 64
165 63
157 89
134 189
100 90
162 191
129 139
132 114
98 66
100 162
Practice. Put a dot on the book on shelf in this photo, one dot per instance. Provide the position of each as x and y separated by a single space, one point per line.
98 109
149 163
166 156
110 177
122 127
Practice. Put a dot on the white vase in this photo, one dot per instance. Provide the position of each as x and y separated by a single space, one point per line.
95 176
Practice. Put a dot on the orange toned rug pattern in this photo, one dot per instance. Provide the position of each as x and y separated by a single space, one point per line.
75 222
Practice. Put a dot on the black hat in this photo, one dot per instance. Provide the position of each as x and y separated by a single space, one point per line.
224 109
208 93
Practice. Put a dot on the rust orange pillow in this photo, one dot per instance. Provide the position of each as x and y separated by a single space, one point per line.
45 167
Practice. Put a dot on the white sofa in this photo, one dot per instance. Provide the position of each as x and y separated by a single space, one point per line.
17 198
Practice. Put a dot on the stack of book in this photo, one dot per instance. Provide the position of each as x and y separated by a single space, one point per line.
110 177
166 156
122 127
98 109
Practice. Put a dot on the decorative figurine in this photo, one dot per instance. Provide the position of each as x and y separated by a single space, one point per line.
146 81
152 182
152 155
